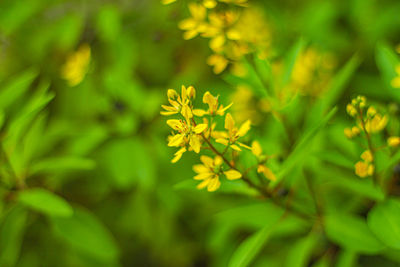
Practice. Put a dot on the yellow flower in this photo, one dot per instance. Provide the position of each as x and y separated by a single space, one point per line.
393 141
213 106
351 110
352 132
196 24
219 29
209 3
376 124
179 103
219 63
396 81
210 171
364 169
187 134
367 156
234 133
76 66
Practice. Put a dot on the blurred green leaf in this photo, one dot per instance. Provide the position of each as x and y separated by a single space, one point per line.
248 249
58 164
84 232
290 60
45 201
16 87
384 221
300 252
346 258
352 233
11 235
387 61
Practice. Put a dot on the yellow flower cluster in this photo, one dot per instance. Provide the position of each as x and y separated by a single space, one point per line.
312 72
368 121
233 29
196 131
76 66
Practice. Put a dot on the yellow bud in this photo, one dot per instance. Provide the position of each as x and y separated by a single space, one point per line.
348 133
171 93
355 130
371 111
191 92
351 110
367 156
364 169
393 141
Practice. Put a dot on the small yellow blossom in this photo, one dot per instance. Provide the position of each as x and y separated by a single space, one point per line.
230 138
210 171
187 134
367 156
256 148
214 108
393 141
376 124
351 110
364 169
196 24
76 66
352 132
218 62
396 81
179 103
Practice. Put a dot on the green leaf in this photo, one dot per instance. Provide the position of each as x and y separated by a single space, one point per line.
300 252
384 221
126 162
387 61
291 59
302 146
45 202
11 236
352 233
85 233
62 164
248 249
15 88
346 258
339 82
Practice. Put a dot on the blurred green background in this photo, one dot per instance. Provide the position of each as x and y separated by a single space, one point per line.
101 147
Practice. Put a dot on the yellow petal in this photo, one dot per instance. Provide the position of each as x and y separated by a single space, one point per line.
393 141
235 147
232 175
222 109
203 184
200 128
203 176
176 140
186 112
199 112
222 141
183 93
171 93
200 168
194 142
243 145
256 148
229 122
267 172
207 161
218 161
213 185
168 113
244 128
175 124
